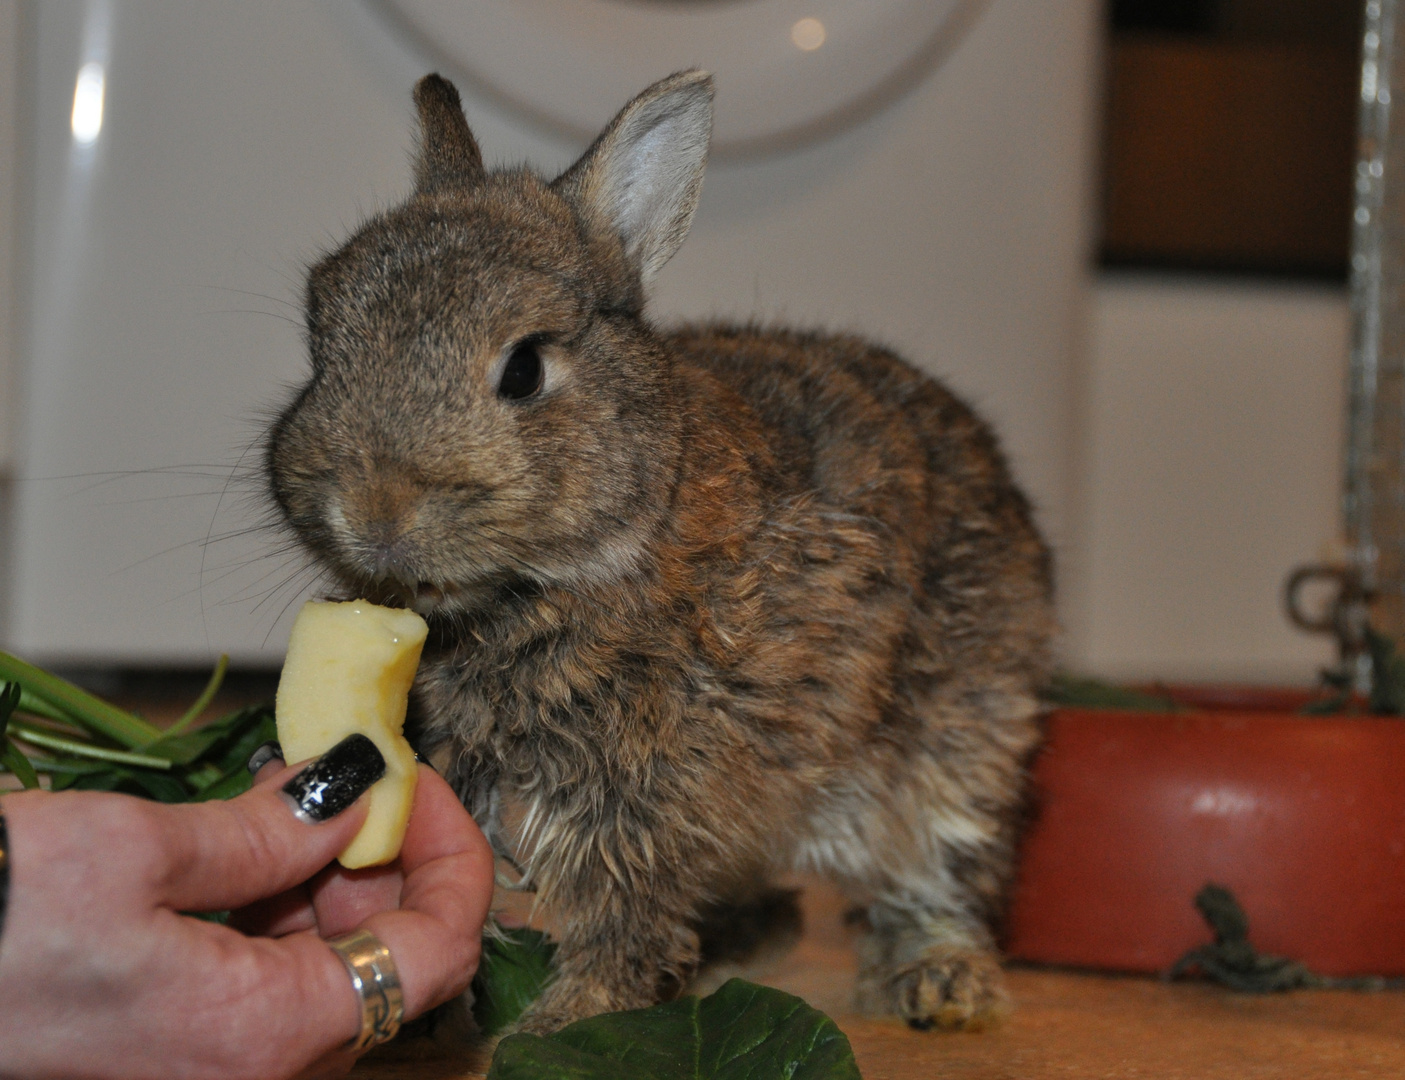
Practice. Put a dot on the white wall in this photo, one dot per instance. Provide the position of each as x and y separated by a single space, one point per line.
1212 447
9 222
954 227
1183 466
241 139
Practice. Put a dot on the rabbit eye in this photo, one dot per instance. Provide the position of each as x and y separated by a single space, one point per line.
522 374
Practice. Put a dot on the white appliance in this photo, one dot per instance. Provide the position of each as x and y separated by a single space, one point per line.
918 172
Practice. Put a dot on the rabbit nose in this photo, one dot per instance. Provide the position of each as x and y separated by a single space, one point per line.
391 560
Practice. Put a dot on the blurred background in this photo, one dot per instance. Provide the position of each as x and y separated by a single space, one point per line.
1120 230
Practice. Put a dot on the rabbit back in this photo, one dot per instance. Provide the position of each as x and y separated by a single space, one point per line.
857 441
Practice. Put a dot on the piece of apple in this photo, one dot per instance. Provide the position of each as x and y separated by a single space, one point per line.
349 669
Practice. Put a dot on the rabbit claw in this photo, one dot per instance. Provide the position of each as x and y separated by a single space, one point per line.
948 989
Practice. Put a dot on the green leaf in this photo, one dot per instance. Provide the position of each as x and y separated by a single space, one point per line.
78 705
217 772
37 706
742 1032
215 740
51 741
158 786
1328 706
185 748
203 701
145 782
66 772
9 698
1072 691
108 779
63 779
17 763
221 917
235 782
513 971
244 732
223 771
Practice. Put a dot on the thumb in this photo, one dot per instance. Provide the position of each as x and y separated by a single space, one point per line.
277 835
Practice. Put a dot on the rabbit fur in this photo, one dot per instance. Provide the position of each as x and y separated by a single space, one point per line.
706 605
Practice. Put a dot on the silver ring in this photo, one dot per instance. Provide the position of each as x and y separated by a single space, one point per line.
377 984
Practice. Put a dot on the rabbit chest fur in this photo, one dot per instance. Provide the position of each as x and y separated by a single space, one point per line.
705 606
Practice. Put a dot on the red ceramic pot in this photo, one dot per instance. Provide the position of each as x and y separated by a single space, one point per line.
1302 817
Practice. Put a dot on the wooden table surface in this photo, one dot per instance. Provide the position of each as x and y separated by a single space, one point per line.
1065 1026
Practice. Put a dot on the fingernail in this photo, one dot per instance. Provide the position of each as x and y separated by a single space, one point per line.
269 751
335 780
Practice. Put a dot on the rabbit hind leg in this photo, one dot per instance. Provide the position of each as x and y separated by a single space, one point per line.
933 880
932 970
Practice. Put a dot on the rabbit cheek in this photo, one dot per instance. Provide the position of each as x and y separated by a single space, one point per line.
302 482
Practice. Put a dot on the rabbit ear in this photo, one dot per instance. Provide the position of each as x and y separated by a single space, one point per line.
643 175
448 154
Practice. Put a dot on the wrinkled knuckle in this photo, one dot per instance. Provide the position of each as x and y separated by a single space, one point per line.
265 844
153 850
260 1043
461 956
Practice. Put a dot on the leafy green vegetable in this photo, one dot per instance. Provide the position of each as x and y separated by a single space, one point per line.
9 700
201 703
10 756
17 763
514 970
742 1032
74 703
1387 697
87 744
1080 693
50 741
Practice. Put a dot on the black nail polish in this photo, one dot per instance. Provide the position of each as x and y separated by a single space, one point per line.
269 751
335 780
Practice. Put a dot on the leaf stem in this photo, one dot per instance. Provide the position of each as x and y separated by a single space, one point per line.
80 706
37 706
203 701
60 765
49 741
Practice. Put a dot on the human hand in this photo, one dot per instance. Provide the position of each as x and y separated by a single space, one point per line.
101 977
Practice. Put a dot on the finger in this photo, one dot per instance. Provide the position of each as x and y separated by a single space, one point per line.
282 1003
229 854
343 899
436 935
286 913
336 1064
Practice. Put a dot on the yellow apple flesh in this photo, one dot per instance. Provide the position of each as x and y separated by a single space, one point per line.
349 670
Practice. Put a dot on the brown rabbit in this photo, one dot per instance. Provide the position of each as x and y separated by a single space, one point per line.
706 605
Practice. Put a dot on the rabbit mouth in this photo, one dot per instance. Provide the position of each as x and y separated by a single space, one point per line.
421 597
427 598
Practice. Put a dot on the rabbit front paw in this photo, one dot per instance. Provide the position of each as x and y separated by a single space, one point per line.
953 989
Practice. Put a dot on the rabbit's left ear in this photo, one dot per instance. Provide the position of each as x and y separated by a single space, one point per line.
448 155
642 177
